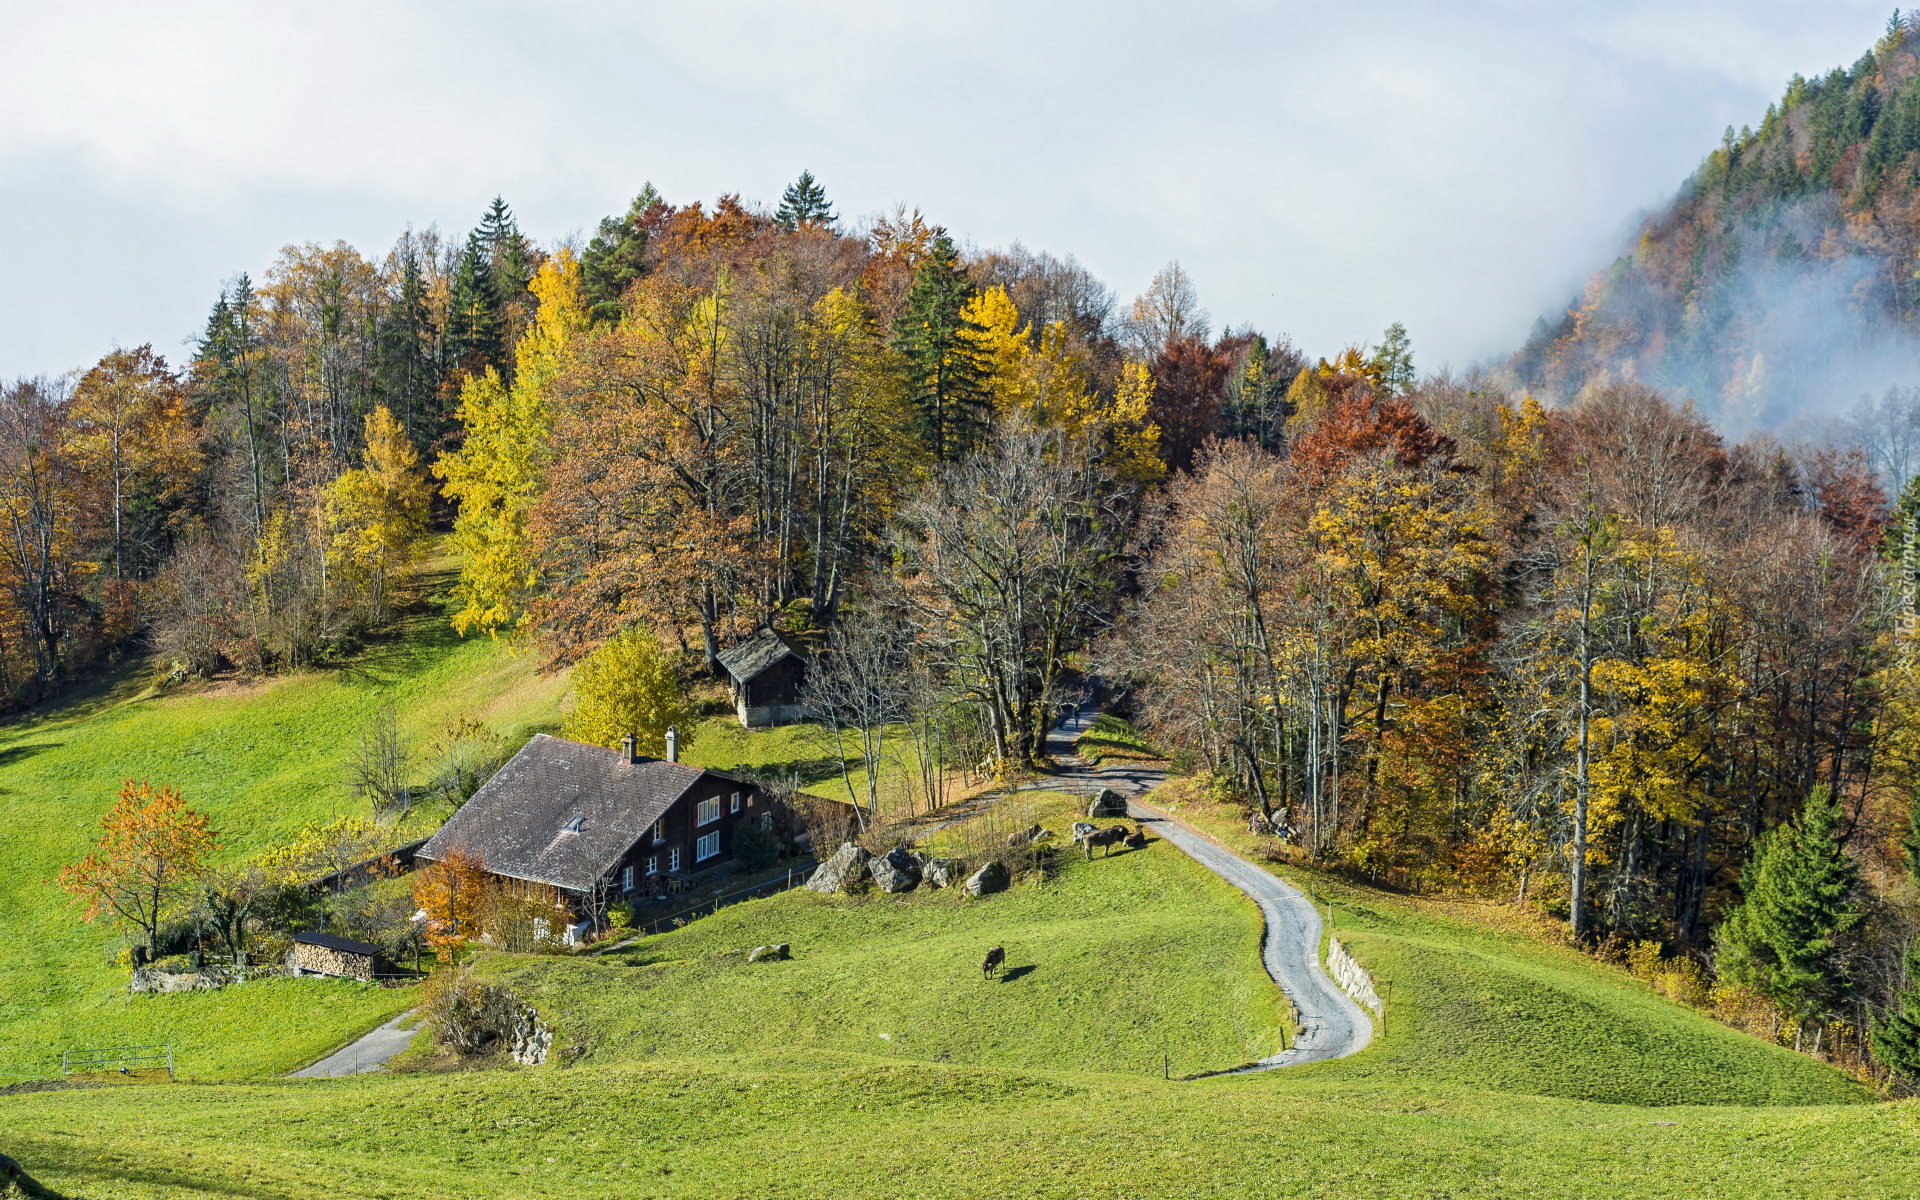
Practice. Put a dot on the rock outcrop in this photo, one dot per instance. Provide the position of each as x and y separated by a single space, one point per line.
895 871
843 872
1107 803
990 878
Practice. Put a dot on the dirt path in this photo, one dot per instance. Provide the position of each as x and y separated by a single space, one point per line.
1332 1025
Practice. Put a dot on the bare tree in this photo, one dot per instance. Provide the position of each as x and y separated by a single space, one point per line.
378 768
855 690
1009 560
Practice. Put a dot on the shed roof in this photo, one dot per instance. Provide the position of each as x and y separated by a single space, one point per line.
343 945
749 658
562 812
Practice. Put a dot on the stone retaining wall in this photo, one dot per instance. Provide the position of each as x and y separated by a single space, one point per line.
1351 976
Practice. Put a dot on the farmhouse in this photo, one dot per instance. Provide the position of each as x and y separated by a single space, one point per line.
574 823
765 674
325 954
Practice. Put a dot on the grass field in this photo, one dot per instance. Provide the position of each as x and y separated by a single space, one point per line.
1509 1066
261 759
1108 963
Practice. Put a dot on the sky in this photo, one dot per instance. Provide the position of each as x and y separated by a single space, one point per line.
1320 169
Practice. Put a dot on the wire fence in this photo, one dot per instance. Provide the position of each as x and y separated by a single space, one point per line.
123 1060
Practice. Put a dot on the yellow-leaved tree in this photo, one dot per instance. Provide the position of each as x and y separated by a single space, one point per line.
992 323
494 475
629 687
378 515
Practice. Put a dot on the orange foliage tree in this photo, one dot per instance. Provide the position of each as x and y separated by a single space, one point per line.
154 846
452 892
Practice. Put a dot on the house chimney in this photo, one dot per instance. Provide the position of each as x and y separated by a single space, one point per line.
673 743
627 751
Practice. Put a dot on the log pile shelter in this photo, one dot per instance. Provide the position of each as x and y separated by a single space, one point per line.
765 674
325 954
579 824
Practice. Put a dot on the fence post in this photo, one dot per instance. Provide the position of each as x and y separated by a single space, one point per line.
170 1062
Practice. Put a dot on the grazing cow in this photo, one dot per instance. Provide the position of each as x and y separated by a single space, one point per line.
995 957
1137 840
1106 839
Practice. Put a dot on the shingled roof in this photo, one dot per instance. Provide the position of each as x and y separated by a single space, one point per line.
756 654
562 812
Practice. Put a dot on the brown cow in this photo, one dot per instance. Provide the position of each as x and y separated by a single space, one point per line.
995 957
1137 840
1106 839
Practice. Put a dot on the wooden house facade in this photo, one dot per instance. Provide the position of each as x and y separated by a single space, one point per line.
583 824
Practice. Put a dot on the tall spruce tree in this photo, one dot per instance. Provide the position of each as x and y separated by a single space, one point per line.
475 334
512 256
946 379
408 374
1786 939
617 256
1394 358
1896 1033
804 203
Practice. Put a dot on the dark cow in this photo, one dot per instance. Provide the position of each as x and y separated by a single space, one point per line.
1137 840
1106 839
995 957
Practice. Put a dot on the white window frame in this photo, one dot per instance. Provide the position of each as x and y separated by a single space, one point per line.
707 811
673 859
626 878
653 864
766 822
659 831
736 802
707 847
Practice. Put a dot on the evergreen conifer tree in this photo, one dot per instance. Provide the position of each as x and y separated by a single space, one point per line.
1785 939
617 256
475 338
1394 357
1896 1034
804 203
512 257
946 379
408 380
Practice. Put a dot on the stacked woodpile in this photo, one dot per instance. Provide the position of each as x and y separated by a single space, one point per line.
319 954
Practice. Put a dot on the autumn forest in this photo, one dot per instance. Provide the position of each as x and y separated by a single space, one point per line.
1588 654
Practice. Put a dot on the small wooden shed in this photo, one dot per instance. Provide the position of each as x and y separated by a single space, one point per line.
325 954
766 674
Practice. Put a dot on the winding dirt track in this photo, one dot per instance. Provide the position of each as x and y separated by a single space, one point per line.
1332 1025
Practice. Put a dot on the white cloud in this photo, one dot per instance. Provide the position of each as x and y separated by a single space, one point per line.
1320 169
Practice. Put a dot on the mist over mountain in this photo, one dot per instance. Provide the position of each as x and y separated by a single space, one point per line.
1779 288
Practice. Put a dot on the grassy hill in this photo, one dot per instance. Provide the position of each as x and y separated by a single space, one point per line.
1509 1066
261 759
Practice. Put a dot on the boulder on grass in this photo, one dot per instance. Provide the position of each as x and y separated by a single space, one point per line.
775 953
1107 803
990 878
1024 837
941 872
895 871
843 872
1082 828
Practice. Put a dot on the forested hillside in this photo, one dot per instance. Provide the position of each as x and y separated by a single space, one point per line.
1781 282
1597 658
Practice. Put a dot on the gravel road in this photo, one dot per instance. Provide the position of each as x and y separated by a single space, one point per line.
1332 1025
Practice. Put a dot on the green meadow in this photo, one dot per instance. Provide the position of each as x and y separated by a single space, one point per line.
877 1059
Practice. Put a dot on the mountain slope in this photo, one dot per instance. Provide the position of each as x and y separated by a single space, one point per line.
1780 282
